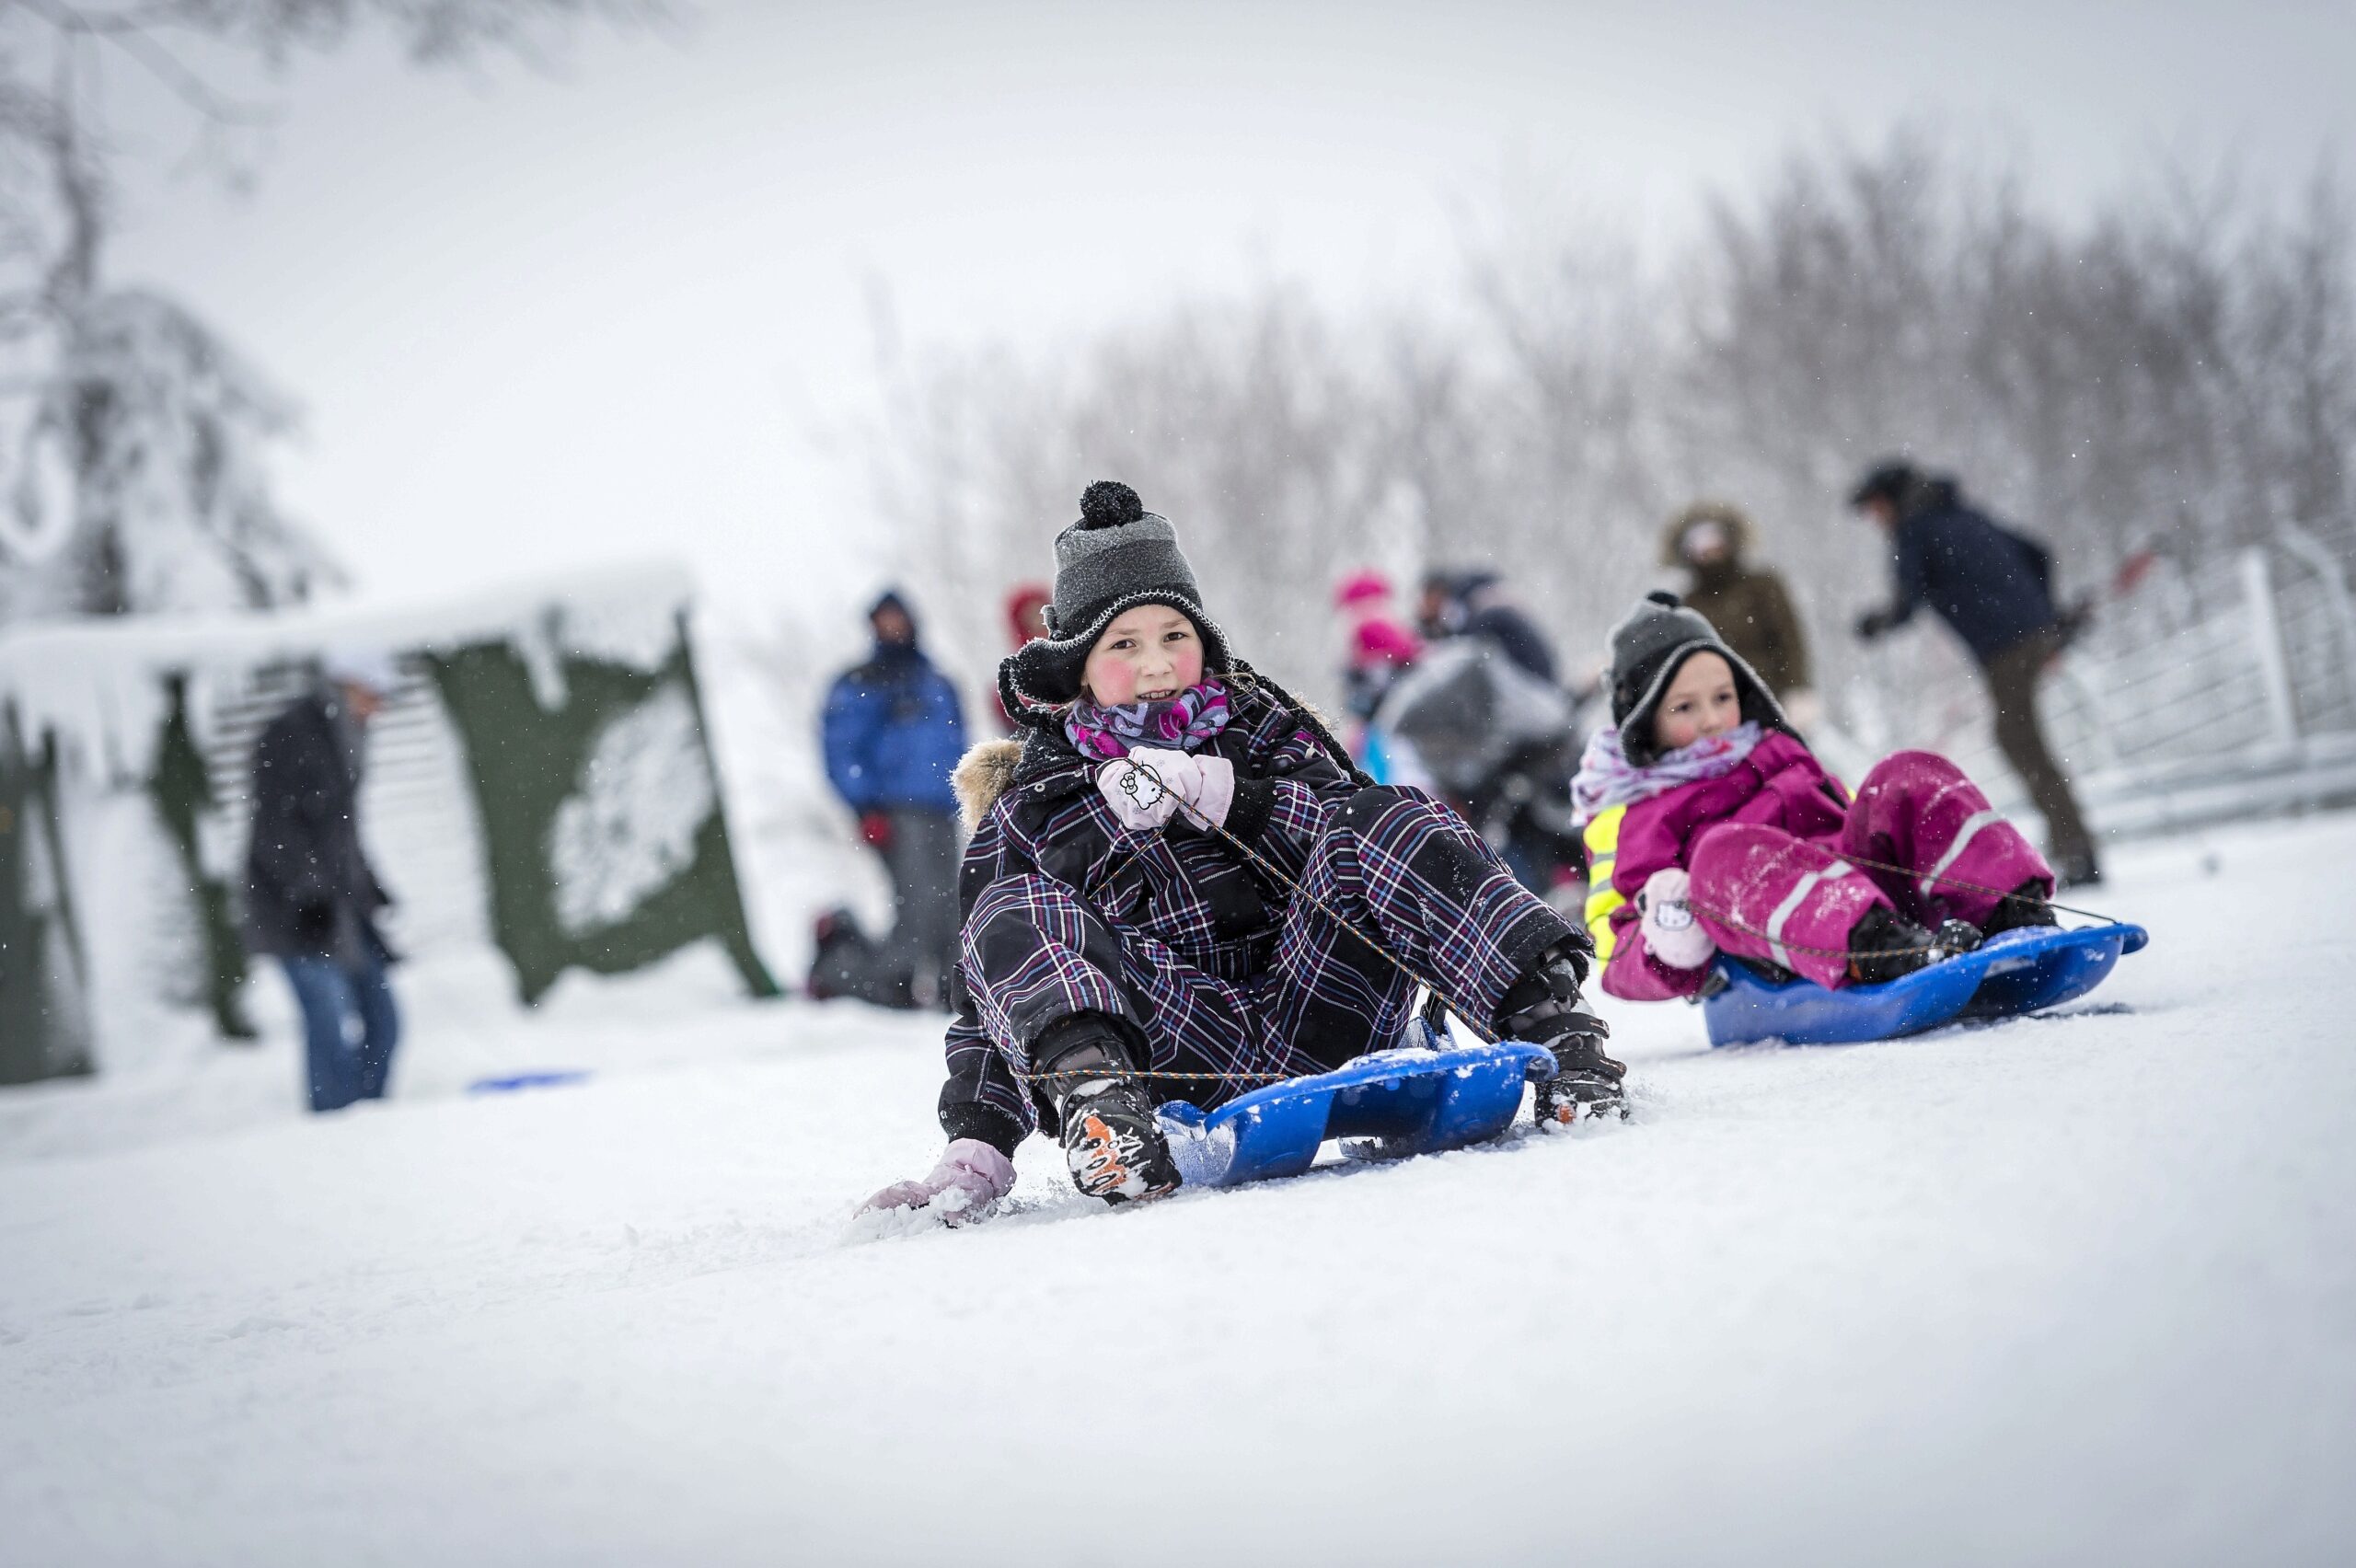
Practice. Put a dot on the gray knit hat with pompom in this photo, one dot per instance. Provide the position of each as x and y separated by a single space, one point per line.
1116 556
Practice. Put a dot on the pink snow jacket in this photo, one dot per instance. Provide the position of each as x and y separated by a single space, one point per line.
1779 784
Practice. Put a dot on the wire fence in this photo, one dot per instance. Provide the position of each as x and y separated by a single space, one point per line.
2222 688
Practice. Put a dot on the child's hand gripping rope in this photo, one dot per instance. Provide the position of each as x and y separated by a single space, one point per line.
1146 787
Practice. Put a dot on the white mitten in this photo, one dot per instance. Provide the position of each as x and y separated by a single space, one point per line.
1135 796
1672 934
1146 786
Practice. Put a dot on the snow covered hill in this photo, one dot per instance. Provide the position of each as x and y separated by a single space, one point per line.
2075 1289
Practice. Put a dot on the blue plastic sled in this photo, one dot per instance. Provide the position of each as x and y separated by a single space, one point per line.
509 1082
1413 1100
2014 972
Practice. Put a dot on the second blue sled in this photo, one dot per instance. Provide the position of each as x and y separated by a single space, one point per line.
1414 1100
2020 971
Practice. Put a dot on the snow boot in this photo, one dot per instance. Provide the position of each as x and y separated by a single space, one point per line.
1112 1143
1542 1008
2026 905
1886 945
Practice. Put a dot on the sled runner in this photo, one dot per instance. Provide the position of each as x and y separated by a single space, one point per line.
2016 972
1407 1101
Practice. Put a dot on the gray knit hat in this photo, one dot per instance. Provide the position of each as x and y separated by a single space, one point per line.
1116 556
1648 647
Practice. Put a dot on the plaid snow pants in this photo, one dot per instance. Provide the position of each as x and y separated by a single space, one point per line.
1302 996
1763 894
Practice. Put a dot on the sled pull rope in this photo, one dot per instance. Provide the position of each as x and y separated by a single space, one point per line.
1727 920
1975 887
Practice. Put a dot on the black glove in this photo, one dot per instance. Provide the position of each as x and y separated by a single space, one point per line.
1873 623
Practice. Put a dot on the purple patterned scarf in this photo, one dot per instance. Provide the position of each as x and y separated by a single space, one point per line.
1607 778
1176 723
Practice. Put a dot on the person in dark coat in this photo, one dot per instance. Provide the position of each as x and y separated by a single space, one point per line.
1749 605
1472 604
1153 885
1523 802
311 897
893 732
1994 587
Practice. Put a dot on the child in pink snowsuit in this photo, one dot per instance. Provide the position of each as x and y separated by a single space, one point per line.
1711 828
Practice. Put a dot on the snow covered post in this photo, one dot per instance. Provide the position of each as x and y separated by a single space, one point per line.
2266 642
182 790
44 1008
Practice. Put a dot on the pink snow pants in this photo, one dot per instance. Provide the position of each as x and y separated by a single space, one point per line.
1761 893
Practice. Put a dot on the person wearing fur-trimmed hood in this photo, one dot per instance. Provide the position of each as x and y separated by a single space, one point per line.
1119 940
1749 605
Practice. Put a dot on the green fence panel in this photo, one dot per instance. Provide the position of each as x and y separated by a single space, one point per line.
605 841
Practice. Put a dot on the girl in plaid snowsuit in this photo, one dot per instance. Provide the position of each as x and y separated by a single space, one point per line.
1712 828
1116 935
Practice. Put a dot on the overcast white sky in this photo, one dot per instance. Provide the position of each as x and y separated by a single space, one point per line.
543 322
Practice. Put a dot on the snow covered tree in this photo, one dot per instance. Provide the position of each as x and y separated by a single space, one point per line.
143 461
131 471
2170 371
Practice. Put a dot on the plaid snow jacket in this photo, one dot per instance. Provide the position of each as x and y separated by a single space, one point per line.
1034 808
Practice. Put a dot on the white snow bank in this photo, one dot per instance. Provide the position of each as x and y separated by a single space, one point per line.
2074 1289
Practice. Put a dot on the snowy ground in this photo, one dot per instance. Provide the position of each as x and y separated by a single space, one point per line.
2077 1289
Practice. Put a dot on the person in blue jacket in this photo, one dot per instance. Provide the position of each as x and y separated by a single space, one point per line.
894 732
1995 588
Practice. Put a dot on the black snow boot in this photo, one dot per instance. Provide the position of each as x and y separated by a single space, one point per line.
1112 1143
1886 945
1542 1008
2025 905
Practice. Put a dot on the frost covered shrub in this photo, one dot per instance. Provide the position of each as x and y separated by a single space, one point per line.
140 484
2175 369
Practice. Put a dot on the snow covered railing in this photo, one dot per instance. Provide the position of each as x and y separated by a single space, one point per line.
2225 690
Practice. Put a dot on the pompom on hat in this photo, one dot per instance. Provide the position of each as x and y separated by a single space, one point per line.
1115 558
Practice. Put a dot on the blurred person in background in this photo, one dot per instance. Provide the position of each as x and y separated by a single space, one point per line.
1026 618
1749 605
311 896
1380 646
893 732
1994 587
1471 604
1482 720
1438 613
